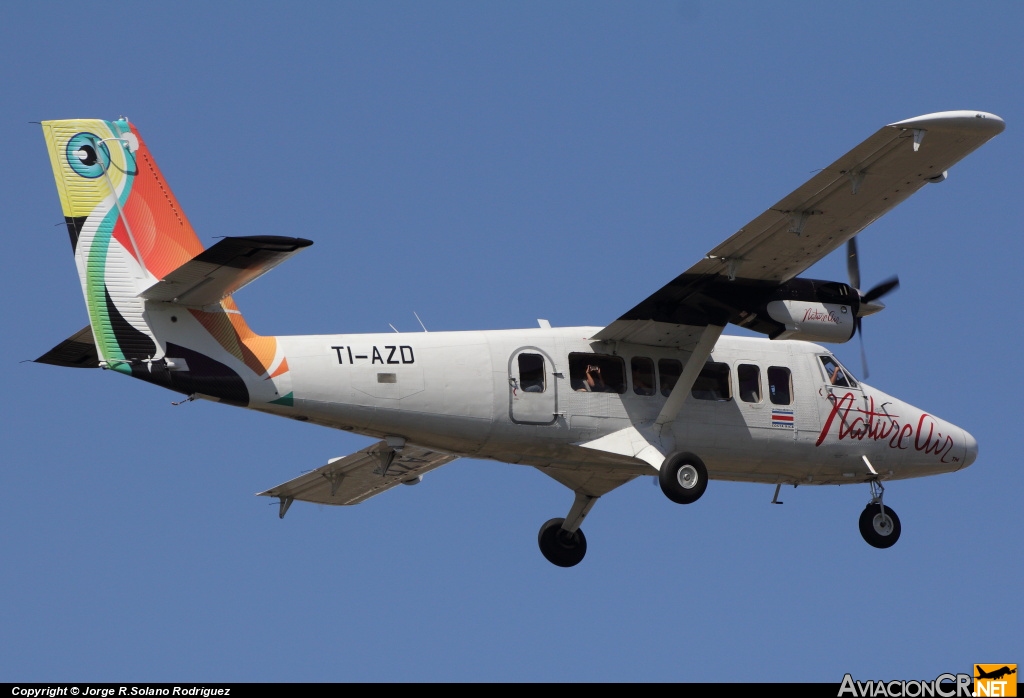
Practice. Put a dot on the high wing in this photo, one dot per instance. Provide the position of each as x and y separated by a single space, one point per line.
216 273
359 476
734 279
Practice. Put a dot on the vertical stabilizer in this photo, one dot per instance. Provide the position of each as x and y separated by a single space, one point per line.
132 242
126 227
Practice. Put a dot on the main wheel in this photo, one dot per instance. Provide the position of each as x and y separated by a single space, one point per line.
559 546
683 478
879 530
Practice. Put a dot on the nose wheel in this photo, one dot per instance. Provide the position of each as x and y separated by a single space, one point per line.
559 546
879 525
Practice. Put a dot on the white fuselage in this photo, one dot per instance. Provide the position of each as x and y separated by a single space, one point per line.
461 392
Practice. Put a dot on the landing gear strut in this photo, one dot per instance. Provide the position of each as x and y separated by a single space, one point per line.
879 524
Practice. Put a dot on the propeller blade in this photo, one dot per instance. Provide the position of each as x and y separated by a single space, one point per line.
863 355
868 306
852 263
882 289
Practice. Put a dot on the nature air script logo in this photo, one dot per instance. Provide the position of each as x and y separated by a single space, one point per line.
878 424
815 315
995 679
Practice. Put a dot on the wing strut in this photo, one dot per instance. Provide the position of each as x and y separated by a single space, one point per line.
700 354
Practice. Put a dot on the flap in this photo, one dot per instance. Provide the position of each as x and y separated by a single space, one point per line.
216 273
356 478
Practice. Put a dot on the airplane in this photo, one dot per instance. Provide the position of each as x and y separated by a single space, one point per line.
995 673
659 392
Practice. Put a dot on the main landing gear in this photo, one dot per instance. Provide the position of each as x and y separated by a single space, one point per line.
683 478
879 524
559 546
562 541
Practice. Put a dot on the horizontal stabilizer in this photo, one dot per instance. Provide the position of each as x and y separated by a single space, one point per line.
356 478
77 351
216 273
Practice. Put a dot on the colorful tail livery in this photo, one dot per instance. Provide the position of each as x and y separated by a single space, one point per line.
159 305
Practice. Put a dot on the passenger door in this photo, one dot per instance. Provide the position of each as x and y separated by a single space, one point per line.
531 387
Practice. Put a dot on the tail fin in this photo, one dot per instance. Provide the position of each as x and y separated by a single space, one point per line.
158 304
127 229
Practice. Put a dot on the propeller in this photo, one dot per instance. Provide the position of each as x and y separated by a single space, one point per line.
870 302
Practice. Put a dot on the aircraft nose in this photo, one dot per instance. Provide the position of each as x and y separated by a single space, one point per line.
970 448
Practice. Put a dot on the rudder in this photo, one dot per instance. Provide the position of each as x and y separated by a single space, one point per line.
134 247
126 227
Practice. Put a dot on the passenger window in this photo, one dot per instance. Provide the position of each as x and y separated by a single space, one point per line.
749 377
643 375
670 370
531 373
597 373
780 385
835 374
712 383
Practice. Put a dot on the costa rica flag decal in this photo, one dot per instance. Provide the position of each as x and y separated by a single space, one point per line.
782 419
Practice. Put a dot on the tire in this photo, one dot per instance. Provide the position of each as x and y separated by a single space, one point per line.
683 478
879 531
560 547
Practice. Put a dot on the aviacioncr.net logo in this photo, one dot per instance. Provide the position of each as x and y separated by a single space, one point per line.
944 686
995 680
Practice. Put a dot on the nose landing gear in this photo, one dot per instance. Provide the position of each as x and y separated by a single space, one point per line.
879 524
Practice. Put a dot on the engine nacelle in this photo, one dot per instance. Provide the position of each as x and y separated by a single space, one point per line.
813 321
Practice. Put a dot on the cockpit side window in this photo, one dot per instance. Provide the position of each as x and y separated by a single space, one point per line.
835 374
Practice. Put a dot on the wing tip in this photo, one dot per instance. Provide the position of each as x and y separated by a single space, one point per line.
955 120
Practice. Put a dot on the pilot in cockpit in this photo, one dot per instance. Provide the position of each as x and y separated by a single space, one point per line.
835 374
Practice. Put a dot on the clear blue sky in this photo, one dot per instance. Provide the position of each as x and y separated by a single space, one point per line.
487 164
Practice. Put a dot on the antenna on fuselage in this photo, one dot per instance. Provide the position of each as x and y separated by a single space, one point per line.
421 322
